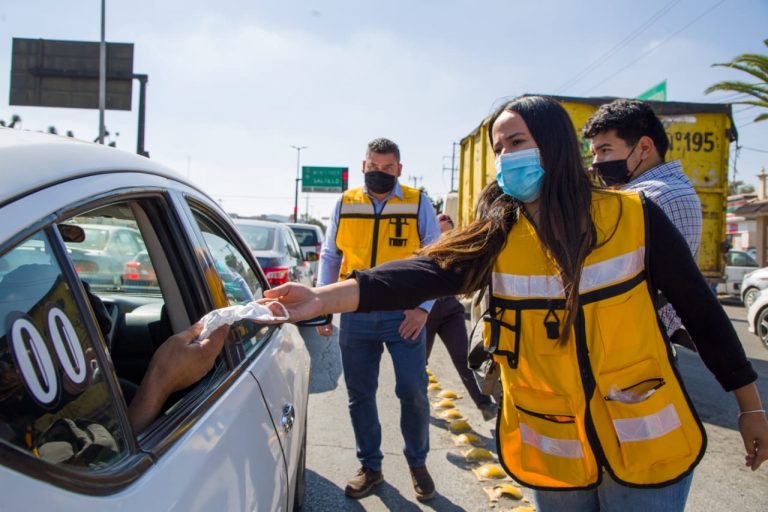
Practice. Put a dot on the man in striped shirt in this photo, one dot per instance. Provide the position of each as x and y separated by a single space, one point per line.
629 145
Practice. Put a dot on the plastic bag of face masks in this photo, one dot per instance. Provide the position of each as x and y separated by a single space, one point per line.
252 311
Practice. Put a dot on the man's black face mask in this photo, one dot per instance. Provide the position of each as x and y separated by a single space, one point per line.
613 172
379 182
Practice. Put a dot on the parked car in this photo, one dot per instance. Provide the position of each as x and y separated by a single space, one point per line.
277 250
139 272
757 317
738 263
751 285
310 238
236 440
102 252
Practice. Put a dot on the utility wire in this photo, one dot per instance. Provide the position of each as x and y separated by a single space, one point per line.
621 44
655 47
755 149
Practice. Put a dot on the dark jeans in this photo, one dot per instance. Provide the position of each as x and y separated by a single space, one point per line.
447 320
362 338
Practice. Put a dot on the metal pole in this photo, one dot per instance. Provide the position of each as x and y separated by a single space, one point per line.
102 74
142 113
298 179
453 166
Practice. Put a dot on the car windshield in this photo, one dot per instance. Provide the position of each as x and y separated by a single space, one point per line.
305 236
258 238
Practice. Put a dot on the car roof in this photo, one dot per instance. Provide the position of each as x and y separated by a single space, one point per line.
256 222
30 161
299 225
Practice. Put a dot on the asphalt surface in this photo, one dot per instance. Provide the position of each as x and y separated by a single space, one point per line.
721 481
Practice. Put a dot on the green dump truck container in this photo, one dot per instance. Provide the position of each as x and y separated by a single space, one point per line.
700 135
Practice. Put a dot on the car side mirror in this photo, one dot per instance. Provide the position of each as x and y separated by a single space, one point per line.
312 256
72 233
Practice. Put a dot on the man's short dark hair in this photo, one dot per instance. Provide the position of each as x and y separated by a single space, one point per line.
384 146
631 119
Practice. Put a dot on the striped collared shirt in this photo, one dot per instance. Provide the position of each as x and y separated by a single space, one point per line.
667 186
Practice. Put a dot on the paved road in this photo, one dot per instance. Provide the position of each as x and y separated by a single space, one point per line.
721 482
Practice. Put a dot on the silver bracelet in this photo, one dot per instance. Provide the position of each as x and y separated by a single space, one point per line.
742 413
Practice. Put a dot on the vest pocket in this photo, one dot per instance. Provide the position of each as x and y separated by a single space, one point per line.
646 423
550 436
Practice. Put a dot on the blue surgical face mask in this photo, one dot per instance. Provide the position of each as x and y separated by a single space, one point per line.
520 174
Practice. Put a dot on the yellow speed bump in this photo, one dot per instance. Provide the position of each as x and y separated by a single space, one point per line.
451 414
445 404
477 454
432 379
429 372
447 393
467 439
526 508
499 491
434 387
457 426
489 472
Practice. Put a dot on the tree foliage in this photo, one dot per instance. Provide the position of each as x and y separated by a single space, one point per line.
755 65
739 187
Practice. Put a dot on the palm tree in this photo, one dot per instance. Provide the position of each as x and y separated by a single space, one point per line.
757 66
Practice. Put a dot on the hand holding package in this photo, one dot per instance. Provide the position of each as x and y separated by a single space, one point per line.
252 311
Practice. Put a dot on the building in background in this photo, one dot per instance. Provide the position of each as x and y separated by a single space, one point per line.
754 211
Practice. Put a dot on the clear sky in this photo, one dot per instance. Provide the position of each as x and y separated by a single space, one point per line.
234 83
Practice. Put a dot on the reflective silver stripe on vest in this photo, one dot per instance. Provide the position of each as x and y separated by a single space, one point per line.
356 208
568 448
398 208
597 275
648 427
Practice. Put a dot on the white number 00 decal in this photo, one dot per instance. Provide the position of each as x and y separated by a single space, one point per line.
34 360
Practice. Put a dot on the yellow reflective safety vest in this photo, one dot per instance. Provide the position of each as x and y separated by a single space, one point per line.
610 398
366 238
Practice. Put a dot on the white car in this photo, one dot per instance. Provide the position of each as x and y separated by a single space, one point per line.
751 285
70 359
311 239
757 317
738 263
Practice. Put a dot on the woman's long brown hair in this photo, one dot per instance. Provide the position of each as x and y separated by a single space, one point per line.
566 228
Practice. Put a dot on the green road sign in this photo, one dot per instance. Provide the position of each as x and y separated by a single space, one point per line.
656 93
324 179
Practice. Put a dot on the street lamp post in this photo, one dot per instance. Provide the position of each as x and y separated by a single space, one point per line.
298 179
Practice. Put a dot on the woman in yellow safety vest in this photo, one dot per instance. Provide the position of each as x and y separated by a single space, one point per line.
594 413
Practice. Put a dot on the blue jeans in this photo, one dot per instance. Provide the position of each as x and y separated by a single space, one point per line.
362 338
610 496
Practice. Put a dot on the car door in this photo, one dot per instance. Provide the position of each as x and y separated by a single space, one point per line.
739 264
214 445
280 364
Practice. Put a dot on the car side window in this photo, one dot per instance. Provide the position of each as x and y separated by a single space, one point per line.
740 259
55 403
240 281
293 247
